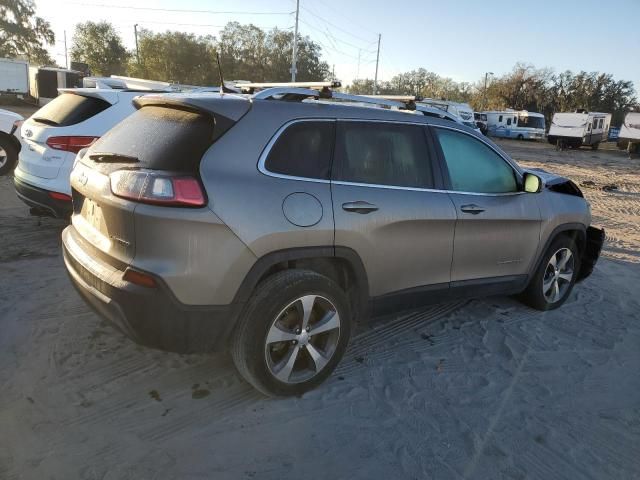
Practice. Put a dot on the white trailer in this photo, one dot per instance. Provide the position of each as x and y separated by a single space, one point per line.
519 124
14 76
579 128
44 82
629 138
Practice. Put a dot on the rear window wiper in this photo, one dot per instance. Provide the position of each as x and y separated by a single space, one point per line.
113 157
46 121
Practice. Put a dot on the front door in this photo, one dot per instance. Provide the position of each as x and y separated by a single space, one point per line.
498 227
384 209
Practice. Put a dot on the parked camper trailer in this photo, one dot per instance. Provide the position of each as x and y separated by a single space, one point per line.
44 82
461 110
519 124
579 128
14 76
629 137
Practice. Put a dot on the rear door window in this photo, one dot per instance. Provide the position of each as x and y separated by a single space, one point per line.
382 154
69 109
303 150
473 166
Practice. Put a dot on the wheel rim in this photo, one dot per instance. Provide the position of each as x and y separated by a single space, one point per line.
558 275
302 339
3 157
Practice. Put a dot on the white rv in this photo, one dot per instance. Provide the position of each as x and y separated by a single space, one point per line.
461 110
519 124
579 128
629 138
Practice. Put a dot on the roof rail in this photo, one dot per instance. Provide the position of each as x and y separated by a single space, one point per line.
402 102
252 87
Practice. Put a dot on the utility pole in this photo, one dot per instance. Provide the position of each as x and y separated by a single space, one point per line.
375 80
484 96
135 32
66 56
358 71
333 72
295 45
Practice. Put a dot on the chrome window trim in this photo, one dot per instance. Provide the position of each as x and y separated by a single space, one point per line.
276 136
417 189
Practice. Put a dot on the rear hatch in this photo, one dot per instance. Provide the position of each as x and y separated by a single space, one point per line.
61 124
163 139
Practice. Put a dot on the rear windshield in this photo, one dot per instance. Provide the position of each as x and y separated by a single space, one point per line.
69 109
160 138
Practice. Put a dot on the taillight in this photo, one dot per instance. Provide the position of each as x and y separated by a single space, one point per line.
70 144
157 188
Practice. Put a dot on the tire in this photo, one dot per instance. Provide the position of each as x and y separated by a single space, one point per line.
520 137
536 294
595 146
280 299
8 155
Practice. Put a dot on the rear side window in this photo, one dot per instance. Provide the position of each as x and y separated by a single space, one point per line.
303 150
160 138
382 154
69 109
473 166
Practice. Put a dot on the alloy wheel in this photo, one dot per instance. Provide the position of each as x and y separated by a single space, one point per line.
558 275
302 339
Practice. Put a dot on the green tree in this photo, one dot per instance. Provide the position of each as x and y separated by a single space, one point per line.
249 53
99 45
22 34
176 57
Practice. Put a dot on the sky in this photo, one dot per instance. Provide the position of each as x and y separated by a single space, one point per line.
458 39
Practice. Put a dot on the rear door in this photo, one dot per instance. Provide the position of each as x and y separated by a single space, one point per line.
498 227
385 208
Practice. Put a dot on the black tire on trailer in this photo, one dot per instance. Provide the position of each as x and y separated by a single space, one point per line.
595 146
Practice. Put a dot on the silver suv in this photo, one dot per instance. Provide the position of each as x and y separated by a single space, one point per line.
270 223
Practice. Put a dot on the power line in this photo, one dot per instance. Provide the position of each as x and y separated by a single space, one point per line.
174 10
366 41
333 48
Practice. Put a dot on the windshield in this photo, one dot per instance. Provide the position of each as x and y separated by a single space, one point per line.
531 122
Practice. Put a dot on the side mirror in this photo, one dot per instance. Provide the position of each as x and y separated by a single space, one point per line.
532 183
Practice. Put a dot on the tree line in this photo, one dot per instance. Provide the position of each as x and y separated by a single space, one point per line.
524 88
249 53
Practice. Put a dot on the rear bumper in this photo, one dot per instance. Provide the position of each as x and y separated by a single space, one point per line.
40 198
149 316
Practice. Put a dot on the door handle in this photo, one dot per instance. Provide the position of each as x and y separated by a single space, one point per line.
473 209
359 207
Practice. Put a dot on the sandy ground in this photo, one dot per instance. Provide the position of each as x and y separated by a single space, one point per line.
481 389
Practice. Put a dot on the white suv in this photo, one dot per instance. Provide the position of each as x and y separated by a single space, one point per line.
53 136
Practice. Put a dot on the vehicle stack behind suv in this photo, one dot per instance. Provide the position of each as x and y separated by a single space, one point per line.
58 131
269 224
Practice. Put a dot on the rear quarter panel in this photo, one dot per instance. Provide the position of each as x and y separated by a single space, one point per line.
250 202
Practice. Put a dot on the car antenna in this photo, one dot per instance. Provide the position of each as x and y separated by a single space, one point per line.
223 88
